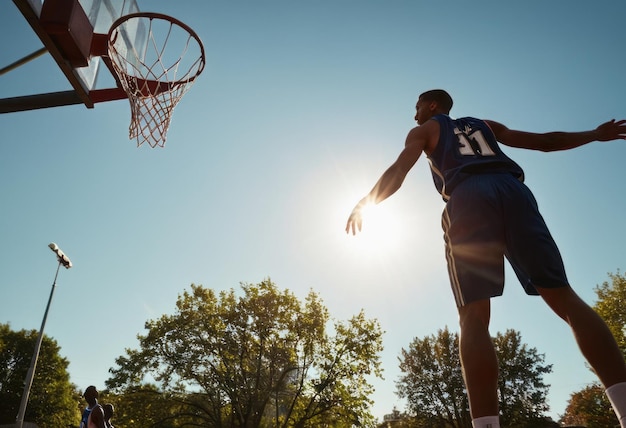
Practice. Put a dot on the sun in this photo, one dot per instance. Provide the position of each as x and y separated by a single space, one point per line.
382 232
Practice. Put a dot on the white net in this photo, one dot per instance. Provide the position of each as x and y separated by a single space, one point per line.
156 59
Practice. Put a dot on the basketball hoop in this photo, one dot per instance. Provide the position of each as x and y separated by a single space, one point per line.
156 59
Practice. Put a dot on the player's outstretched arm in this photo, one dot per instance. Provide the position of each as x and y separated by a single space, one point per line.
553 141
392 178
387 185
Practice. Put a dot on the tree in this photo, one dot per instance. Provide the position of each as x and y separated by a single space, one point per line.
521 389
147 406
263 359
591 408
432 382
52 402
611 306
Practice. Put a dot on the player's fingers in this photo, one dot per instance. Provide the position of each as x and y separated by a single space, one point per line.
350 227
621 128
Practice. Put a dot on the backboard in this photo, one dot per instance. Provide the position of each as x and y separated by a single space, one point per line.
66 28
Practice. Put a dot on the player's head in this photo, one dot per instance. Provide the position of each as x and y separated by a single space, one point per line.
431 103
91 394
439 96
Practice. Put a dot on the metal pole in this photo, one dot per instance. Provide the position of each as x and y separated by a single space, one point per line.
65 261
23 61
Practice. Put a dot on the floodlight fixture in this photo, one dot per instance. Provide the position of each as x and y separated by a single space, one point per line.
63 259
66 262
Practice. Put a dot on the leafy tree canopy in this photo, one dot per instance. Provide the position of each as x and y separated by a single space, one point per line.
261 359
590 408
432 382
52 401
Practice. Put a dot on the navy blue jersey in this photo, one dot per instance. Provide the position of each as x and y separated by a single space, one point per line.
466 146
85 417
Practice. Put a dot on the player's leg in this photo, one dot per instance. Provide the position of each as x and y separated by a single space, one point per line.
478 359
474 236
595 341
591 332
537 262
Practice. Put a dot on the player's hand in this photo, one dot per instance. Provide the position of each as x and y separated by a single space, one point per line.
612 130
355 221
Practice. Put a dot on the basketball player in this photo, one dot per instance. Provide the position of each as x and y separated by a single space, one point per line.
490 214
93 415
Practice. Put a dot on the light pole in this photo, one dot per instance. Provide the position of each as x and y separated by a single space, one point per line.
65 261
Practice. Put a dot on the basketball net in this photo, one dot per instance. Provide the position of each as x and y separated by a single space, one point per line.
156 59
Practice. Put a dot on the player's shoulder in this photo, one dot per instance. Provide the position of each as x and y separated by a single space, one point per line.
430 127
494 124
476 121
460 122
498 129
425 136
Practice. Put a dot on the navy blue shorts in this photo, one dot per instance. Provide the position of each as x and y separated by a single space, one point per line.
487 218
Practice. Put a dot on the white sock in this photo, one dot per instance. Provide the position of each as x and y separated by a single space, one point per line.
617 396
486 422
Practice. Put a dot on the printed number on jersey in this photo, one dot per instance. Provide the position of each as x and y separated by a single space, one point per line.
473 143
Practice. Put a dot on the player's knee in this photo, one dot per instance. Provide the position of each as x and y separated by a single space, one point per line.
475 315
562 300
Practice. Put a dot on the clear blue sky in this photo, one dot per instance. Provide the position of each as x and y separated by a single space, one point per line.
301 108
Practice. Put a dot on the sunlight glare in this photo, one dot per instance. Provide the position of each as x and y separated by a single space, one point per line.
381 232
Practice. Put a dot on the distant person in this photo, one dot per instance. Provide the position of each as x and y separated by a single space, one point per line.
91 396
489 215
93 415
108 414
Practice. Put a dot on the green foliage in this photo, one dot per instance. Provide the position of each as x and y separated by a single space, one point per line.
263 359
521 388
432 382
52 402
611 306
146 406
591 408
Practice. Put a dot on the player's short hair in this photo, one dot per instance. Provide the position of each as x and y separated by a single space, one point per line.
91 391
441 97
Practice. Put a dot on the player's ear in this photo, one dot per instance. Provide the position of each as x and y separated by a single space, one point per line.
432 106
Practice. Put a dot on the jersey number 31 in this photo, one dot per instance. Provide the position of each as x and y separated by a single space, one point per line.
473 144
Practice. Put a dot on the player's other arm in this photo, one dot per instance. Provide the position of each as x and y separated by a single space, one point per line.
553 141
394 176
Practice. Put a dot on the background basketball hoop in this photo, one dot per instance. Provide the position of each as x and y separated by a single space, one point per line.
156 59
